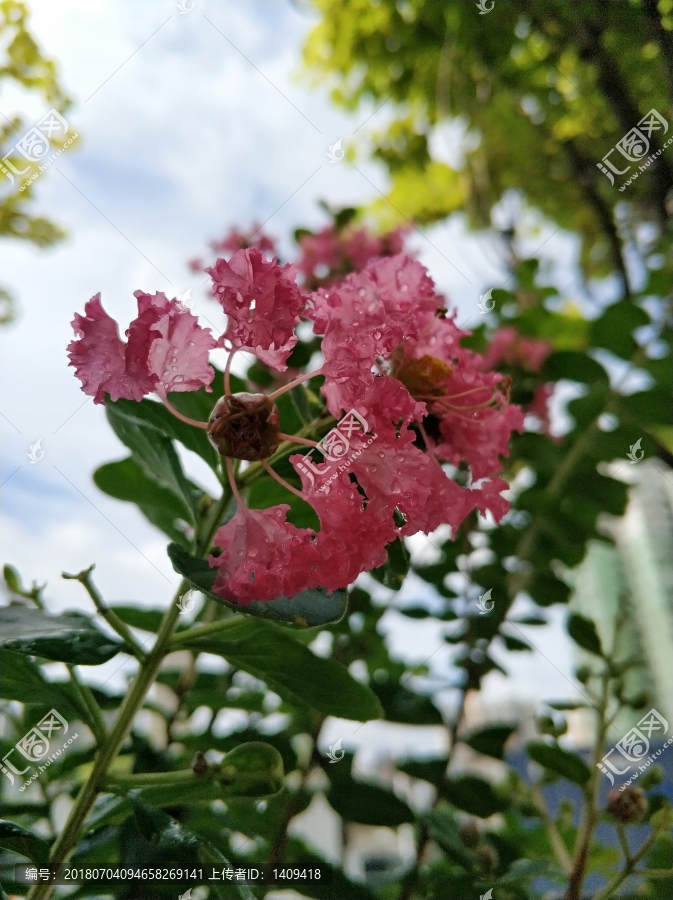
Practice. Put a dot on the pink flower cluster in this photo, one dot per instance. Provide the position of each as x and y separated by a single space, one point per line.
332 253
391 354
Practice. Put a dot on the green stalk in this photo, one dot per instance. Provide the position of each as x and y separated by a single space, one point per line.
88 700
192 634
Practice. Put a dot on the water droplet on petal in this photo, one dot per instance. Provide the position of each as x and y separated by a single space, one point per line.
174 359
381 454
174 368
178 379
190 343
362 292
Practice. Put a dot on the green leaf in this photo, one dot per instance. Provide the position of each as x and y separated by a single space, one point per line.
558 760
153 452
491 740
474 795
126 480
583 632
426 769
148 414
20 840
70 638
254 769
290 669
524 869
513 643
312 607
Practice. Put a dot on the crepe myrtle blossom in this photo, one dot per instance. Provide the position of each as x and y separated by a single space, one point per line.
392 357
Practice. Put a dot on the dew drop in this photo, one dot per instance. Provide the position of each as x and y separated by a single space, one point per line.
362 292
178 379
381 454
190 344
174 359
174 368
404 288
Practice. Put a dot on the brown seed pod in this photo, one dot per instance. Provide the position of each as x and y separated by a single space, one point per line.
627 806
245 426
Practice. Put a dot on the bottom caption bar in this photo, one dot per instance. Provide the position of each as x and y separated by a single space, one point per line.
251 875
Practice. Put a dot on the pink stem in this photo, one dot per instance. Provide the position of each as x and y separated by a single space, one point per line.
280 480
232 482
227 374
288 387
297 440
179 415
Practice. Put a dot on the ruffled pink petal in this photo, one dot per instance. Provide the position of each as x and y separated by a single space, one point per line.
173 343
263 556
99 357
262 303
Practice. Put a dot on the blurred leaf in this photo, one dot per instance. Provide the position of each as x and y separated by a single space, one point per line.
126 480
393 572
403 705
21 679
426 769
614 329
491 740
358 801
573 366
69 638
20 840
558 760
444 830
311 607
139 617
474 795
583 632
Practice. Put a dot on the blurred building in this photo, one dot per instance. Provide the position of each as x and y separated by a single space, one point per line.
638 572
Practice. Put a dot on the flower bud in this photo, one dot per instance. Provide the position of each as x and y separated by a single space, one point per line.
627 806
487 858
245 426
469 833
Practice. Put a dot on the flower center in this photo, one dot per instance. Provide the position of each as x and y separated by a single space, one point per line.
423 377
245 426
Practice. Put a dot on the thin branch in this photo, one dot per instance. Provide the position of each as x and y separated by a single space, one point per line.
109 615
